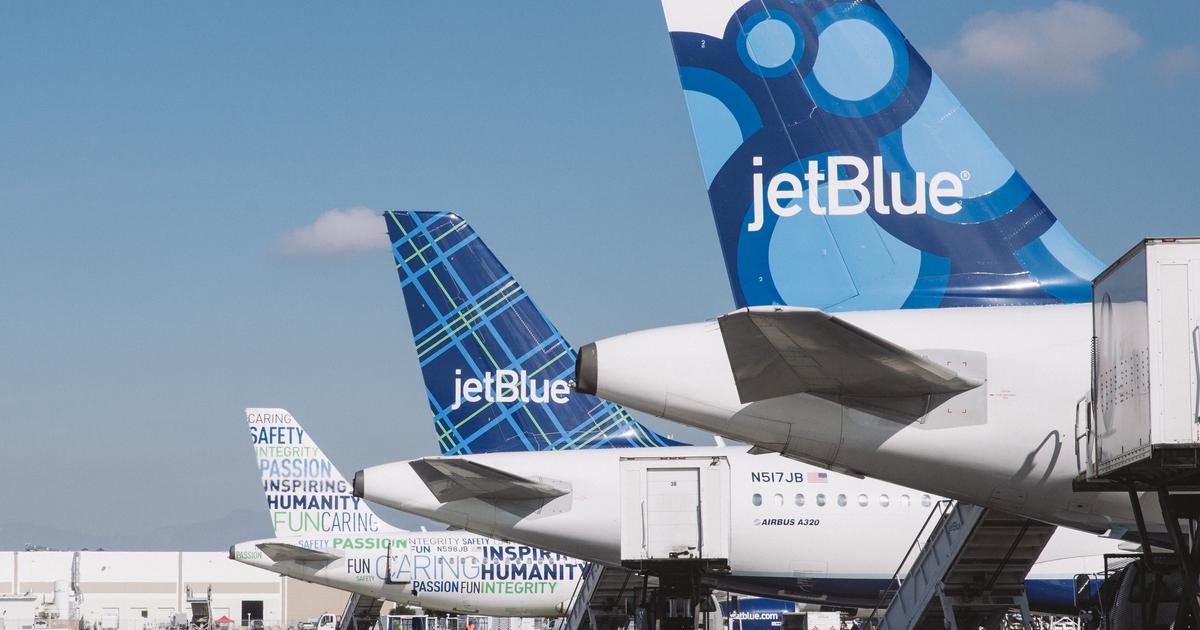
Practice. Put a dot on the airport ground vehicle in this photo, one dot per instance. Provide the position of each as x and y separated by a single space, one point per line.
324 621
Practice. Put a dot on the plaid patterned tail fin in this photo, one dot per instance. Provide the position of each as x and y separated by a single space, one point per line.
495 368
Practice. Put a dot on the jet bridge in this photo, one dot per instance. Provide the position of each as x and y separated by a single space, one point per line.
1141 422
1138 430
675 525
608 598
201 606
970 573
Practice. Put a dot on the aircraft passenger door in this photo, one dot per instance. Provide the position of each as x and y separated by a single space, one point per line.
1192 289
1180 347
1194 325
673 512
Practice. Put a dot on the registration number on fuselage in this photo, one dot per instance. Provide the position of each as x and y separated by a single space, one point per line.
776 477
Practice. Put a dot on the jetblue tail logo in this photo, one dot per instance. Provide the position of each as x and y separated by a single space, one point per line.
844 175
865 185
495 367
509 386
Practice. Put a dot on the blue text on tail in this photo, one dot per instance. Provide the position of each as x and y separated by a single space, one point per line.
306 495
844 175
496 370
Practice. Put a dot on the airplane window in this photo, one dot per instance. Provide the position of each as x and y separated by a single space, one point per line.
800 500
863 500
841 500
821 500
926 501
756 499
884 501
904 500
778 500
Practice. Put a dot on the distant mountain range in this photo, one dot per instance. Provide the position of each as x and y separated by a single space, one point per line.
211 535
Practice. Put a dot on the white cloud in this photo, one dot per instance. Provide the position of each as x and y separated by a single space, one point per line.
1176 62
337 232
1063 45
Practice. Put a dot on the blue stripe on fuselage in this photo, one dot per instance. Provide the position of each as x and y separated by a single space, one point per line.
1045 595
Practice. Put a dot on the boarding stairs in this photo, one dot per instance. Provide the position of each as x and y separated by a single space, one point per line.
603 599
970 573
362 612
201 606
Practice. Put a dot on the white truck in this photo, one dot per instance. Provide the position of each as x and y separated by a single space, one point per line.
813 620
324 621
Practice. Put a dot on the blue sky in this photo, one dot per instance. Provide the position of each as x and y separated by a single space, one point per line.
153 158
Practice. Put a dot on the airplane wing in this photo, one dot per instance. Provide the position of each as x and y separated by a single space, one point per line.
285 552
453 479
778 351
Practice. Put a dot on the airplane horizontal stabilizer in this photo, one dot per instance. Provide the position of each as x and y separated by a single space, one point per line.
778 351
453 479
285 552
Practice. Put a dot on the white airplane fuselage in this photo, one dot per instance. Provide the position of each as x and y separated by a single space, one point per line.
440 571
1014 450
795 530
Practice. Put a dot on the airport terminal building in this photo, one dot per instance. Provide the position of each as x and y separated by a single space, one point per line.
127 590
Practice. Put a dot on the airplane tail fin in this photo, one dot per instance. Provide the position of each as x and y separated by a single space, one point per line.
496 370
305 492
844 175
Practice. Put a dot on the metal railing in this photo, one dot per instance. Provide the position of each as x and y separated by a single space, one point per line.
941 508
1083 433
583 588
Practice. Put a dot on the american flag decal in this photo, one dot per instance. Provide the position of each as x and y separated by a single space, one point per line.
818 478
